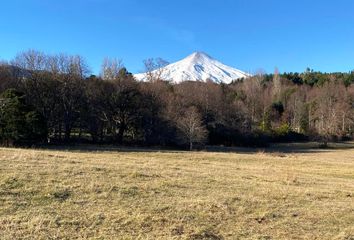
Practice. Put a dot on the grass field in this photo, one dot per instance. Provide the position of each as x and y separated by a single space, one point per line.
127 194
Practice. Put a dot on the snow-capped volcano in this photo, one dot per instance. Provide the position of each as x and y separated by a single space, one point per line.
197 67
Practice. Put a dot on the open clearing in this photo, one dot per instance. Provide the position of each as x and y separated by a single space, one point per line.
125 194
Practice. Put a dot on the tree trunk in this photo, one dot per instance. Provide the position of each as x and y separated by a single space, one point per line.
102 134
60 131
190 146
67 132
120 134
80 130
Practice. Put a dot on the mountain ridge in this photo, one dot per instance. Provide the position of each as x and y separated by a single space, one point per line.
198 66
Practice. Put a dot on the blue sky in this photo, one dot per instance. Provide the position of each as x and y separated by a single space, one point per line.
246 34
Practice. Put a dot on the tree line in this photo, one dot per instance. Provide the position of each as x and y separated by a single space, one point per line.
54 99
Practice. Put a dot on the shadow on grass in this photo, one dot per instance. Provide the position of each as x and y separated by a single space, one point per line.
304 147
107 148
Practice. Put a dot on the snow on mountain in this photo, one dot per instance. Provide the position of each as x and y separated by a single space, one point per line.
198 67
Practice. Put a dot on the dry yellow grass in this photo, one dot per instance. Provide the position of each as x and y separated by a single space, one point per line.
52 194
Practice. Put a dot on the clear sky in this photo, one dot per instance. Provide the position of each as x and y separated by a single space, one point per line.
246 34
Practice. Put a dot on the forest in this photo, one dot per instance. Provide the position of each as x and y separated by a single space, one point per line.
53 99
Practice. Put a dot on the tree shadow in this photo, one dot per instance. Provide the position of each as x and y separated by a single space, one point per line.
305 147
108 148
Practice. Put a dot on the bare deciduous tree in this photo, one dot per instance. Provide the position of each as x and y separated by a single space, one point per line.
154 69
32 60
191 127
277 86
110 68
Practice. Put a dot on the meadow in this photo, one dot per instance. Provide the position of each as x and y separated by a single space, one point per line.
123 193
